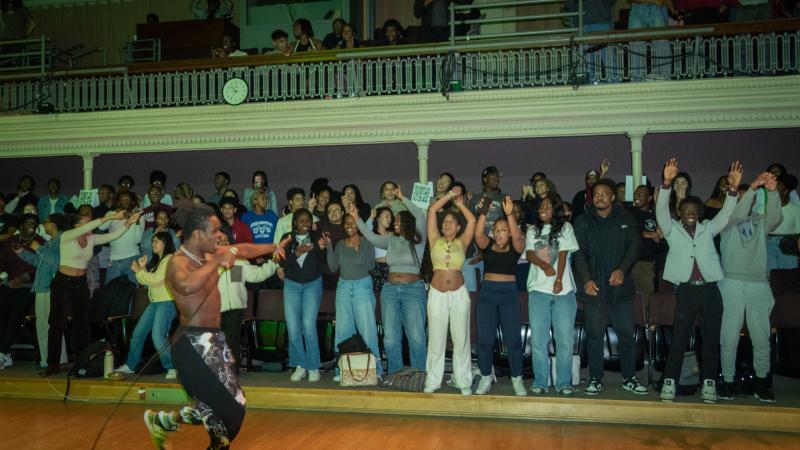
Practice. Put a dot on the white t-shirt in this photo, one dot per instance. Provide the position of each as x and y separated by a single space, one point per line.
537 280
791 220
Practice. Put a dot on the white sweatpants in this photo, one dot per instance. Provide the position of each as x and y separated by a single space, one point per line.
451 307
753 301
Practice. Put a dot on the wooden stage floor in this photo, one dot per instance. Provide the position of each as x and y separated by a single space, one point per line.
52 425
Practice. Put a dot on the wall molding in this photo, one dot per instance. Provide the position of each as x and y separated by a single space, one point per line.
653 107
37 4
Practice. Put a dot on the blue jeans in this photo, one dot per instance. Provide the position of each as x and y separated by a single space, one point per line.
121 267
403 307
470 278
156 320
775 258
648 15
546 310
355 311
301 306
605 57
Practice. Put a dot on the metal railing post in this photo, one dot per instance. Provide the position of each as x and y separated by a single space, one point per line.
452 24
580 18
42 43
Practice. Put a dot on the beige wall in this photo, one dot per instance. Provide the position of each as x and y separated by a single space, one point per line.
106 25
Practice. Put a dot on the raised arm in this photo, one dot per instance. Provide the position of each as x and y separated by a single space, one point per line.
720 221
517 239
253 251
663 218
415 211
481 239
100 239
433 222
376 239
774 211
469 230
257 274
90 226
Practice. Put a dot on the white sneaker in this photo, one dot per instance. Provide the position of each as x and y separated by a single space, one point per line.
337 378
313 376
709 394
2 361
7 361
466 391
668 390
299 374
124 369
172 374
484 385
519 387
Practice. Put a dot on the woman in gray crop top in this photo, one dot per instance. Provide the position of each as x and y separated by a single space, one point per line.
403 297
354 257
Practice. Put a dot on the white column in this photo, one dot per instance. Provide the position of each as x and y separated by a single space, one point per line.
88 168
636 138
422 157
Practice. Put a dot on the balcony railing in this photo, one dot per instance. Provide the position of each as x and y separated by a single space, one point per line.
667 54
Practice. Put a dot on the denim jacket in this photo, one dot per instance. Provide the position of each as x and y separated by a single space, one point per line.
46 259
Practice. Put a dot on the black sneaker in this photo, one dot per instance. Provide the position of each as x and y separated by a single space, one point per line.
632 384
763 392
725 390
594 387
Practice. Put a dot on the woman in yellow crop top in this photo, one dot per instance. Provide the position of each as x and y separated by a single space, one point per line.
448 298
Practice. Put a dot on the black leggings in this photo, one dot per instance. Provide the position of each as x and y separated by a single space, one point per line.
205 368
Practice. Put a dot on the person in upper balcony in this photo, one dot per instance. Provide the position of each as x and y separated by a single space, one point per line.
435 15
335 36
280 42
214 9
304 35
348 37
228 47
16 22
699 12
393 33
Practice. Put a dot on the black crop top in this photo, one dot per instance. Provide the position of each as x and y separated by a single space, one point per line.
504 263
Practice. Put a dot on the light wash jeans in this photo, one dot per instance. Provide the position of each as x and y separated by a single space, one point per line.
301 306
355 311
546 310
605 57
649 15
121 267
156 320
470 277
403 308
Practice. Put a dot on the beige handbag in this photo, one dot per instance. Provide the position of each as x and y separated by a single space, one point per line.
357 369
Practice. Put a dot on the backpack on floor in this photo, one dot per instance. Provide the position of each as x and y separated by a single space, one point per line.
89 364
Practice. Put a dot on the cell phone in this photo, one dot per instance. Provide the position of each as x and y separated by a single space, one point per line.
485 205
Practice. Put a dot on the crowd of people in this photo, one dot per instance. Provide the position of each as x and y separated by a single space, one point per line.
598 249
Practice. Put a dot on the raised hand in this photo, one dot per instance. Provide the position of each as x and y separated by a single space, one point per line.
605 164
398 193
735 174
142 261
771 183
133 218
324 240
670 171
508 206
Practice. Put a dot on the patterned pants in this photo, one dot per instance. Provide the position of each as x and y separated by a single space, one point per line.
205 366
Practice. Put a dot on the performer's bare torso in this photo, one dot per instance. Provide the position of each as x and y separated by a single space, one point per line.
202 308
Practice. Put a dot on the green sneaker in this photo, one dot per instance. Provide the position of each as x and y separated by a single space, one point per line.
154 426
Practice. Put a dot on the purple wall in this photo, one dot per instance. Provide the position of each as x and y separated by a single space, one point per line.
704 155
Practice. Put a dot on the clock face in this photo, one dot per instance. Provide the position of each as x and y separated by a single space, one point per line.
235 91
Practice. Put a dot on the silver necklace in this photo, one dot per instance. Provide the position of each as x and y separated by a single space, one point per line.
191 256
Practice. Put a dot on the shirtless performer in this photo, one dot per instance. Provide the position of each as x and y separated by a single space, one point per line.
199 351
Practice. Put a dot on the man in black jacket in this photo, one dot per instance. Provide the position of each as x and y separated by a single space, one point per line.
609 241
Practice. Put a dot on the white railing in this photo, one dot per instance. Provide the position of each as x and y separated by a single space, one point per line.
368 74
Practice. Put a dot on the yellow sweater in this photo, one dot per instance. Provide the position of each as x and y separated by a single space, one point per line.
158 291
